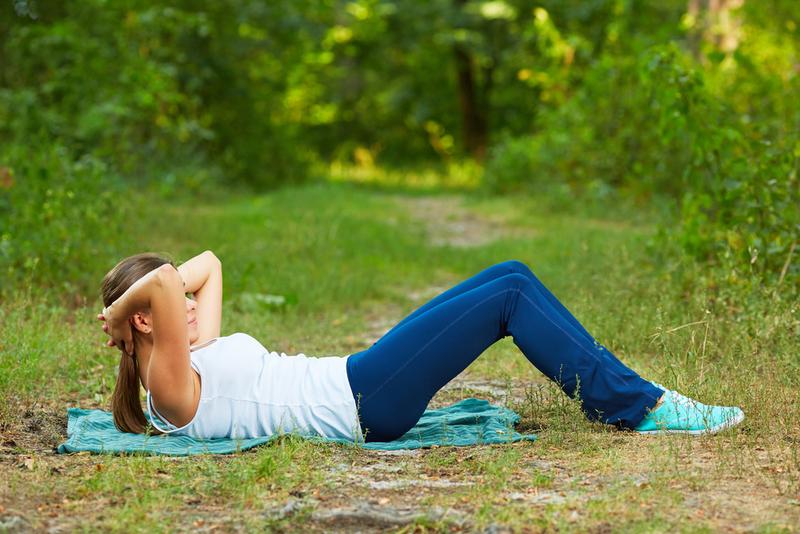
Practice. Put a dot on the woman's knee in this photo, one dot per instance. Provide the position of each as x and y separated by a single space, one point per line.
516 280
516 266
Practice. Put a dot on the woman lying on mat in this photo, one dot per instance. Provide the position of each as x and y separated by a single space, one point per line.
204 385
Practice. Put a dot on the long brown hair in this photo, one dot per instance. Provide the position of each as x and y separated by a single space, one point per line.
126 402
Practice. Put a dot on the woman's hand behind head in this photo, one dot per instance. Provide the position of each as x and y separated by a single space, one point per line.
102 318
119 329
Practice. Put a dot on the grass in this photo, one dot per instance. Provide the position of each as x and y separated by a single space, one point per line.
352 262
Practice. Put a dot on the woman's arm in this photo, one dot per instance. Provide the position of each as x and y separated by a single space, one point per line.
203 277
169 374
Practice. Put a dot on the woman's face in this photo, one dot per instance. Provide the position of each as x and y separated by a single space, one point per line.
191 317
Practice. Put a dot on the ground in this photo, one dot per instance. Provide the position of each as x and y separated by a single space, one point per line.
577 476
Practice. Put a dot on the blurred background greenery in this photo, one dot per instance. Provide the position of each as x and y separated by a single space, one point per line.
690 105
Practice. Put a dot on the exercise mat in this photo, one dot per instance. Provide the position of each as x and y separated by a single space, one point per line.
467 422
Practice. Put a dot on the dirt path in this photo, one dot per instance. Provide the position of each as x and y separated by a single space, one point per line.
449 223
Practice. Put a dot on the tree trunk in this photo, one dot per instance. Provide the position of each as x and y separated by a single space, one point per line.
714 23
473 101
473 119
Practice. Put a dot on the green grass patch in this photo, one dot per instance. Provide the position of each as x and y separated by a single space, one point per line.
350 262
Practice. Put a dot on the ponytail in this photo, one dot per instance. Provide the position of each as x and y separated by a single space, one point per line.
125 402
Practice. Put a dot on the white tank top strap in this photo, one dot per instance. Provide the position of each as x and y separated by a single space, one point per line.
151 408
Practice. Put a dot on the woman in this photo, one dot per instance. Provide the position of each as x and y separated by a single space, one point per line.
206 386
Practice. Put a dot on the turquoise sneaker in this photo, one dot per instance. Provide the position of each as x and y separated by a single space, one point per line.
679 414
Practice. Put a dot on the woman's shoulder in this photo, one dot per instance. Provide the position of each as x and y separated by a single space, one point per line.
233 336
242 337
235 339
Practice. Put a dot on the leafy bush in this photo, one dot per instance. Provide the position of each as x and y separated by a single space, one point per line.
511 166
102 79
58 217
653 127
740 205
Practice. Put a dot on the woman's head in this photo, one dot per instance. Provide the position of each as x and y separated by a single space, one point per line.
125 402
125 273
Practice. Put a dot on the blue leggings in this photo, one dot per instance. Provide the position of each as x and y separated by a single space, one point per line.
394 380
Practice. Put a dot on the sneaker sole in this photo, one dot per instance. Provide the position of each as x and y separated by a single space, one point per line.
713 430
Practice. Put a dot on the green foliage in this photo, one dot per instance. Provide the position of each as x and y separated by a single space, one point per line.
654 126
512 166
580 99
741 199
57 217
105 80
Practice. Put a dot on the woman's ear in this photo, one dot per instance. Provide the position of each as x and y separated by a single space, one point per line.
142 322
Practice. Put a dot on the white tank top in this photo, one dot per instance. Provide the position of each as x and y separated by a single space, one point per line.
247 391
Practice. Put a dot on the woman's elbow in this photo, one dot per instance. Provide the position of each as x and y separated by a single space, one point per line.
213 257
167 274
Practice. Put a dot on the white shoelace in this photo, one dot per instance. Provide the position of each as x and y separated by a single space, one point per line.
677 398
680 400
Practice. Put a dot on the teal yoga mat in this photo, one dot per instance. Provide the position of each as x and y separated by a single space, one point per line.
467 422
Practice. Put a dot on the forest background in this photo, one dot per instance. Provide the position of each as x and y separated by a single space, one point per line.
690 106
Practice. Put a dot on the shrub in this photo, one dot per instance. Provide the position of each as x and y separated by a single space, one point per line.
511 166
740 201
652 126
60 219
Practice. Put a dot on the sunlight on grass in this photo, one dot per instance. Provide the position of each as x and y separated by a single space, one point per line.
459 176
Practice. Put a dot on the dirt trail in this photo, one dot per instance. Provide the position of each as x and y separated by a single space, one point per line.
449 223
